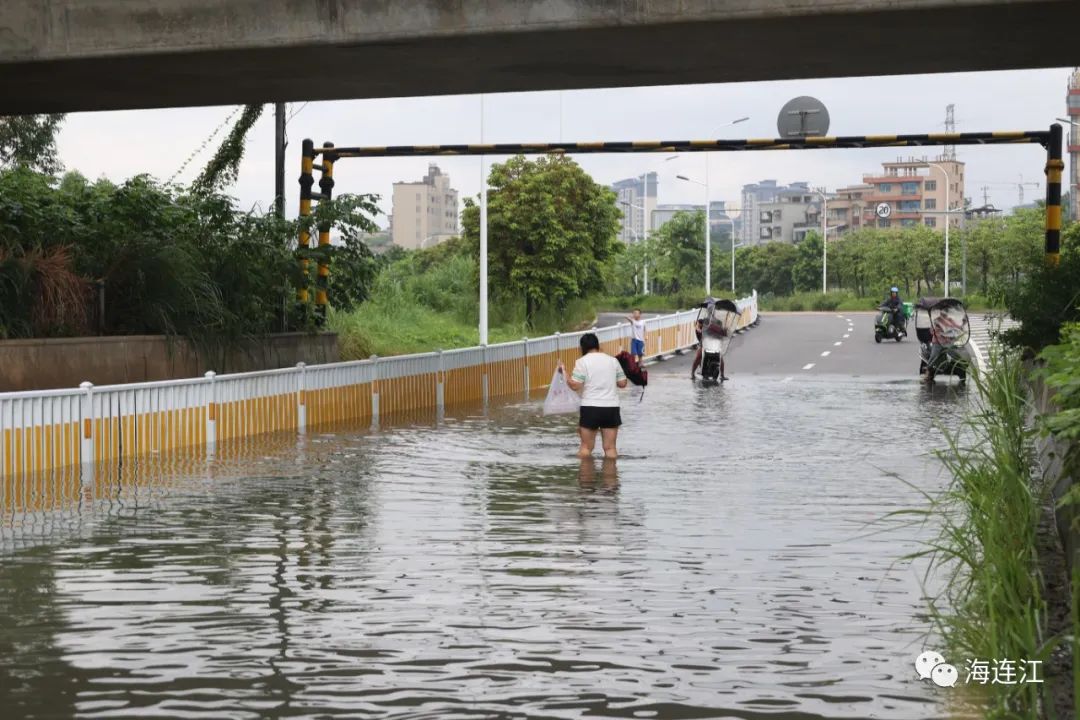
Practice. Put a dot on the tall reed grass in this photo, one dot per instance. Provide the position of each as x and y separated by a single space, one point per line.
992 605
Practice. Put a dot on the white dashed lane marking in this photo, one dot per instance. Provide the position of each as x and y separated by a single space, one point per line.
826 353
837 343
807 366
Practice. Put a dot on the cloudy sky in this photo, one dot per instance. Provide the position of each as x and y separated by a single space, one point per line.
160 141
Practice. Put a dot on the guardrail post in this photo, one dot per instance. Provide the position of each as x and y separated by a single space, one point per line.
301 399
440 390
484 377
375 392
211 412
86 447
525 361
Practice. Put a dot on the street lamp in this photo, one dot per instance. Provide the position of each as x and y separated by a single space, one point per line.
732 224
708 223
640 237
948 222
824 239
963 241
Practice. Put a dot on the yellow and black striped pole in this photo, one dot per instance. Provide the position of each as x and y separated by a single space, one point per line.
307 180
1055 166
326 188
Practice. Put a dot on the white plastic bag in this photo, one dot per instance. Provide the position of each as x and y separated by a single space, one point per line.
560 398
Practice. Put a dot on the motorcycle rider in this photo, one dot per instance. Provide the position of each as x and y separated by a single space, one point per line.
896 309
698 327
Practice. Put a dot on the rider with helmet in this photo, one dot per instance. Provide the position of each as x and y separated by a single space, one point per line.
896 308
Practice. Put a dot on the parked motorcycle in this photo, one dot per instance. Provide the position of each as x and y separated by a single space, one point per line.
942 326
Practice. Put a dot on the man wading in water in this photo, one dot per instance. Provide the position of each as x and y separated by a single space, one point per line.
596 376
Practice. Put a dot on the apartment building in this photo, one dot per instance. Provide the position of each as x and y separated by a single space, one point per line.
913 192
636 198
425 213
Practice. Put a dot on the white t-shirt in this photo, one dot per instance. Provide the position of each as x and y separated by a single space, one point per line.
637 327
599 372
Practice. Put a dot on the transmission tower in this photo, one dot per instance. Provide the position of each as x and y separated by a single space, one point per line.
1020 188
950 127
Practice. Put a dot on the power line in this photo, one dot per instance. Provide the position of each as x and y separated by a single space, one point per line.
205 142
295 113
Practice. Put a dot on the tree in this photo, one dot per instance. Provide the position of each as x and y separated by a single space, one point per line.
30 141
551 231
629 276
766 268
169 261
680 253
806 271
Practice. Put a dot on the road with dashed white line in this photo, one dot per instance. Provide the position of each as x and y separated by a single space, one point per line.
799 344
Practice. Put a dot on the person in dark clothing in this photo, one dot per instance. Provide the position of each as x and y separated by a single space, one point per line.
896 308
697 358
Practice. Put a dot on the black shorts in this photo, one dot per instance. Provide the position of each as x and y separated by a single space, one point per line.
596 418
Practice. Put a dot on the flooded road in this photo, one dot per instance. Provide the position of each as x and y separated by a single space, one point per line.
726 566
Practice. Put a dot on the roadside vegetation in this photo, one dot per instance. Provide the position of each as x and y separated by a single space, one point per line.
427 300
81 257
1006 593
992 605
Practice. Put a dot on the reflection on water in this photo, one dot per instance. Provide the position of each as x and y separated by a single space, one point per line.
471 566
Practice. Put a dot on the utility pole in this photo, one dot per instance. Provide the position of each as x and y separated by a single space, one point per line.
279 159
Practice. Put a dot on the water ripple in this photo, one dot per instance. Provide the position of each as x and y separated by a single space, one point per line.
730 565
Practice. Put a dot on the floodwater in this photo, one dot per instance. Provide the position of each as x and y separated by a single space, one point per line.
726 567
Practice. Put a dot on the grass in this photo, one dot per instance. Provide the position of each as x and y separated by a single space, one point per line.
845 302
395 326
992 605
650 303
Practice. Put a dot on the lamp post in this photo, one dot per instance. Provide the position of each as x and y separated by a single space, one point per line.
708 219
708 235
948 221
824 239
963 242
641 238
732 224
483 236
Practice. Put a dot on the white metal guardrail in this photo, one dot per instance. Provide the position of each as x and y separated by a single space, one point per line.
93 427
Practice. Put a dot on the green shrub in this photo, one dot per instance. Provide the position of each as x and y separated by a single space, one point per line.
1042 302
992 604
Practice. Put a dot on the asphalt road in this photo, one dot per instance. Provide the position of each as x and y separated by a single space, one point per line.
801 344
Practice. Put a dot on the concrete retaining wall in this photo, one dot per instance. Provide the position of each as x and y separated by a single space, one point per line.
1052 454
66 362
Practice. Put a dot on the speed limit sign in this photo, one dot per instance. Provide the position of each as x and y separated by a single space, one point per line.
884 210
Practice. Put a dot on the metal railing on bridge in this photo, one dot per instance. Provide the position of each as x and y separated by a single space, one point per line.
93 428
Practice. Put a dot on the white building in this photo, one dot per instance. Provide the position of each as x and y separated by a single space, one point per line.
425 213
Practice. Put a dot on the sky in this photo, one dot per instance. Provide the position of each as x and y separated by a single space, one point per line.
159 142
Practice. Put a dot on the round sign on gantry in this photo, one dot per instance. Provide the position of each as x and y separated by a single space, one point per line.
883 210
803 117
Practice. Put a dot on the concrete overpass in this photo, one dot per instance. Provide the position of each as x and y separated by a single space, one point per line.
69 55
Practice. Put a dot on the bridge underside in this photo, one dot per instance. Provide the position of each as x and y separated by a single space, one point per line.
83 61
